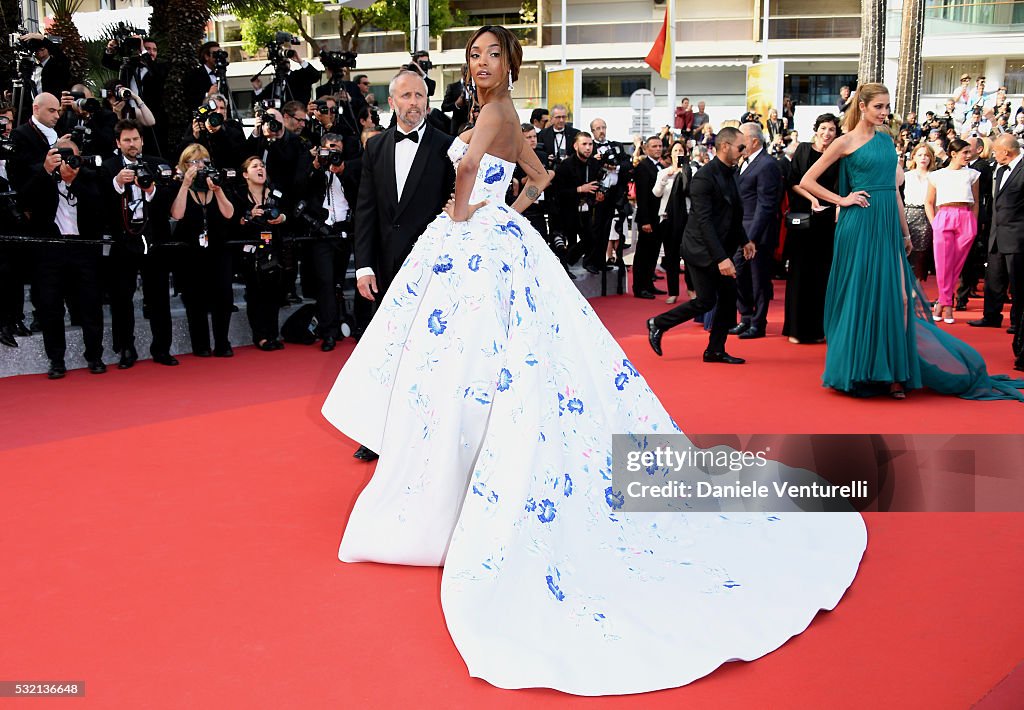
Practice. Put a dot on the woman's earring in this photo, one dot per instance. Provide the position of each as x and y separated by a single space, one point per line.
510 80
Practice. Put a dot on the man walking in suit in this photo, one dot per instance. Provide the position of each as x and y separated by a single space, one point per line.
557 138
407 179
712 234
760 185
1006 237
648 237
974 267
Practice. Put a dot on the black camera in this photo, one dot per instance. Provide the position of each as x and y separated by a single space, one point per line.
330 156
312 218
423 62
271 209
6 147
336 61
33 44
68 157
146 175
209 115
89 105
81 134
680 161
220 60
129 40
217 177
119 94
272 123
324 110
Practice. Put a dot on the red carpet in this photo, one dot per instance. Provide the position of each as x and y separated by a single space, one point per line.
169 536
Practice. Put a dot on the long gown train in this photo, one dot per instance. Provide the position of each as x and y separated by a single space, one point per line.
491 390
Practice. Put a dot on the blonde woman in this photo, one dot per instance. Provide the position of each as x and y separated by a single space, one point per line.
915 193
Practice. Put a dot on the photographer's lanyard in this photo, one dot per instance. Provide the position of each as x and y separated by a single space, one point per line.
584 207
133 209
559 143
204 239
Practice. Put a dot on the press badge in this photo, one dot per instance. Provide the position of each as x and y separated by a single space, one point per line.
203 240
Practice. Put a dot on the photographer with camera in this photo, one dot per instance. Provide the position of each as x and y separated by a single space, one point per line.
12 279
67 208
536 212
133 57
422 65
332 114
214 129
259 216
31 141
289 84
50 72
203 212
333 185
457 101
577 187
613 157
88 121
206 79
557 138
138 198
336 64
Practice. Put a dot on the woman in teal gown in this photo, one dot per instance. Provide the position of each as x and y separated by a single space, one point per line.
877 320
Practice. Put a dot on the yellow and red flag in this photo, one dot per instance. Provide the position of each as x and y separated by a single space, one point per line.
661 55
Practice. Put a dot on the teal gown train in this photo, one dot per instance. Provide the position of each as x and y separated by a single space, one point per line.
877 320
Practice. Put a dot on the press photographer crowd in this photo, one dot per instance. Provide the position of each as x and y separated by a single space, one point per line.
101 189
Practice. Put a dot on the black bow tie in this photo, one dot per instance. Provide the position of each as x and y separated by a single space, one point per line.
414 136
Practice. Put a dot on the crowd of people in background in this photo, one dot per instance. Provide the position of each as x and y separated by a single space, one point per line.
273 208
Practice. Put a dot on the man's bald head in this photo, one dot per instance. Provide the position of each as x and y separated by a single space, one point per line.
46 109
1005 149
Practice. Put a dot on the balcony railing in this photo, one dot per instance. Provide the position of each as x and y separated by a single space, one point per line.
960 17
847 27
457 37
645 32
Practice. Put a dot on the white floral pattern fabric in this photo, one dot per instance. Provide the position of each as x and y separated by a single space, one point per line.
491 391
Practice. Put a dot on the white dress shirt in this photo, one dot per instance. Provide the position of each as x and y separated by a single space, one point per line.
335 201
37 75
1007 173
66 218
750 159
135 201
48 133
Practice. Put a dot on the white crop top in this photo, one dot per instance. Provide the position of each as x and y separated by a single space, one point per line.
915 188
953 185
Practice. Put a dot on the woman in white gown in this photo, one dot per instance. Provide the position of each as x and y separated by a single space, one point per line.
491 390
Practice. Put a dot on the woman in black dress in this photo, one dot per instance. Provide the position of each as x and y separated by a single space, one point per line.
203 211
258 220
810 249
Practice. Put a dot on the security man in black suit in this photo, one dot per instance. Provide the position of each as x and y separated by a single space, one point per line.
63 202
713 233
648 223
202 81
139 219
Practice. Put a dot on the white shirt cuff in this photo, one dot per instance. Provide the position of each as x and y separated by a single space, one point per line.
118 187
365 271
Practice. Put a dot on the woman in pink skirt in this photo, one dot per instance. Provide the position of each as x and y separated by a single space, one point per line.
952 208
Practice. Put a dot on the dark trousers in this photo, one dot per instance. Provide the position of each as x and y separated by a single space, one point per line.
1005 272
64 273
754 286
645 258
204 279
712 288
330 258
263 303
603 216
155 268
12 284
974 267
673 237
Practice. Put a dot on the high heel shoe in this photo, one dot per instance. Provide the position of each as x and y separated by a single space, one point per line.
937 312
671 299
897 391
948 319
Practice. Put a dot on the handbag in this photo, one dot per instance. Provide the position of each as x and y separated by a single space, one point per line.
798 221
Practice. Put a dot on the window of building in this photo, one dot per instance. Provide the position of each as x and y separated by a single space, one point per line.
30 13
612 89
816 89
1014 78
943 77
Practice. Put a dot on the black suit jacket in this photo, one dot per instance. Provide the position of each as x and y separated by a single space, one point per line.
30 149
151 88
677 213
56 73
761 193
194 86
984 193
714 230
460 114
546 140
298 85
645 175
156 211
386 227
1007 235
41 201
316 188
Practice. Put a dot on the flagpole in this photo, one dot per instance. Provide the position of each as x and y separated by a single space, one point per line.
670 41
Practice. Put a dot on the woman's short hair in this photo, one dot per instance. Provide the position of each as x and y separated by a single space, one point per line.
193 151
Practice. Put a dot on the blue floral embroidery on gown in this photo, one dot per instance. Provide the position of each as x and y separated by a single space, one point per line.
494 426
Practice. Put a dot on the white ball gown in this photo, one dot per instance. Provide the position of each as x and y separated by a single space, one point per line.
491 390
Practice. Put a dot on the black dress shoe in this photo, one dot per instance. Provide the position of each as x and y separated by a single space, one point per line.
34 327
7 338
223 352
57 370
654 336
278 345
739 328
643 294
961 304
1012 330
751 333
328 344
364 454
723 357
165 359
659 291
985 323
97 367
202 353
21 330
128 358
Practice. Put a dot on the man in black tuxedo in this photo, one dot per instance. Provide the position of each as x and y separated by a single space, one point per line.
407 179
760 185
557 138
51 71
138 70
298 84
457 103
202 81
713 233
1006 238
974 267
32 141
69 207
139 224
648 235
615 160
